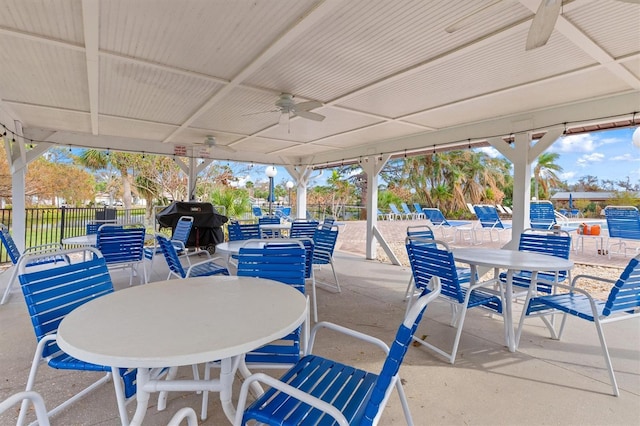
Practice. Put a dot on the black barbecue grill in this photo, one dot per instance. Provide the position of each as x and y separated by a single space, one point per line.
207 222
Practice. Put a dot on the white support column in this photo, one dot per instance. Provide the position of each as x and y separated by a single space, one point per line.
16 154
301 176
371 166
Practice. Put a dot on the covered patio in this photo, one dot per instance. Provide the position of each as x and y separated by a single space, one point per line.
543 382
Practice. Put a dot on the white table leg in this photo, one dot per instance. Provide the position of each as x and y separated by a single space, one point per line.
227 373
508 314
142 397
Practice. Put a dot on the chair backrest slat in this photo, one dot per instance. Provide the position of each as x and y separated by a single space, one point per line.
119 245
51 294
324 241
183 229
488 216
552 242
420 231
429 258
435 216
623 222
303 228
244 231
9 244
542 215
625 294
170 255
284 262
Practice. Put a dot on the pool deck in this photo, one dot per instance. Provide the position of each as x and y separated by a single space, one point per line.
543 382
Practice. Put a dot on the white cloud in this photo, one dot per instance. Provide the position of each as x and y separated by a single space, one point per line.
588 159
567 176
625 157
575 143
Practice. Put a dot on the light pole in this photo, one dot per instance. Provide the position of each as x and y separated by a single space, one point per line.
289 186
271 172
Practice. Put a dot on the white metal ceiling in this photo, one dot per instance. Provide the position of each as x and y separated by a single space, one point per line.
151 75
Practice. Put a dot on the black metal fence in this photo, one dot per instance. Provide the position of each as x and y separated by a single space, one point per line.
51 225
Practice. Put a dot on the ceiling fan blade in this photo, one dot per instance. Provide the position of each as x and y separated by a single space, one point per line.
631 1
468 19
306 106
543 23
310 115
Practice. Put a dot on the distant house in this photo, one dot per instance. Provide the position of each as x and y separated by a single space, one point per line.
595 196
577 195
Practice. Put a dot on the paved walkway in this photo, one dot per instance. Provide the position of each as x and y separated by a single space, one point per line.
352 239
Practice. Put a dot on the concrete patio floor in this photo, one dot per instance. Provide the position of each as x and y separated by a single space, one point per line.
544 382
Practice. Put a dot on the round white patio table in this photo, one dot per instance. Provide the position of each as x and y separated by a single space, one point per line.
276 227
512 261
81 240
182 322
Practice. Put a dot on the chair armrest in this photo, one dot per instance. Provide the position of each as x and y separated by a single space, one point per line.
184 413
43 248
347 331
36 400
289 390
200 263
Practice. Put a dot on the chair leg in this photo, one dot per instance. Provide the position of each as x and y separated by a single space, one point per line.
335 276
409 287
14 274
315 296
607 357
120 396
403 401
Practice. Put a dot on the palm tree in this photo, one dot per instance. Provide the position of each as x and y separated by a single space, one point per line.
121 161
544 173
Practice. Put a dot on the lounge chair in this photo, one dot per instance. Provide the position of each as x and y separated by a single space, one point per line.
397 214
490 221
542 215
438 221
419 213
624 225
408 213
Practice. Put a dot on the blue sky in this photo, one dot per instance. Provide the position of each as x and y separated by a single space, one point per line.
605 154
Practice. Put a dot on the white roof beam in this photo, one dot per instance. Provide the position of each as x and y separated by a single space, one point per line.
91 22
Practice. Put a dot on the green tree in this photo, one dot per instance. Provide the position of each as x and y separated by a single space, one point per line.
544 174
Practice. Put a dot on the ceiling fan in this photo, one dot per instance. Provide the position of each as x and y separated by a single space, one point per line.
542 25
210 142
288 107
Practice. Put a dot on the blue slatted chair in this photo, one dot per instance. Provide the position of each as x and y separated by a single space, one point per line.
123 247
257 211
50 295
302 228
420 233
15 256
319 390
624 225
542 215
437 219
328 222
428 261
200 269
490 221
397 214
179 239
268 233
419 213
283 261
384 216
284 213
248 231
324 241
552 242
423 232
623 303
407 211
